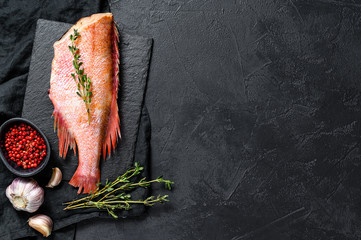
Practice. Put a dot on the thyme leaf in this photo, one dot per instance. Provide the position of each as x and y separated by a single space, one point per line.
115 196
82 81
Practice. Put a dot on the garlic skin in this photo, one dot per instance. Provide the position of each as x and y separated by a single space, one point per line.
25 194
55 179
42 224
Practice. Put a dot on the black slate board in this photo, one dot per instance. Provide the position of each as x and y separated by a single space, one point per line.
134 61
38 108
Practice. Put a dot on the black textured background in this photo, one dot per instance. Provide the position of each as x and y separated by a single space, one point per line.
255 111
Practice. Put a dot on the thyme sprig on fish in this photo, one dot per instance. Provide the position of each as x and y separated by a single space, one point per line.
82 81
115 195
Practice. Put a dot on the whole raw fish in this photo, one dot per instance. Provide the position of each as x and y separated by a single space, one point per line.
98 47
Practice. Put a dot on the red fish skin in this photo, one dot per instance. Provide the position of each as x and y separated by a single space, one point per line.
97 47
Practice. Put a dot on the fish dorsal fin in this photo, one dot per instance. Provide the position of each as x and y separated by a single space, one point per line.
113 130
66 139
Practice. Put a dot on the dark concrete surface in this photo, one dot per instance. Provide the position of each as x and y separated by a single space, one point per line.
255 111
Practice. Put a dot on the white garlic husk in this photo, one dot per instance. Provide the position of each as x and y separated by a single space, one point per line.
25 194
42 224
55 179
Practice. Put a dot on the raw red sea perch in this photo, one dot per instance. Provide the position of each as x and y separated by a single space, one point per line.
98 47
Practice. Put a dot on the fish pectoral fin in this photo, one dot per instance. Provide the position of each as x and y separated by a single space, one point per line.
66 139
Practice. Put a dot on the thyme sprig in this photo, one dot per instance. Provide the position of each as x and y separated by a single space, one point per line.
114 195
82 81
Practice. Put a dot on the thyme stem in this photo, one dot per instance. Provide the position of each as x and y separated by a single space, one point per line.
114 195
82 81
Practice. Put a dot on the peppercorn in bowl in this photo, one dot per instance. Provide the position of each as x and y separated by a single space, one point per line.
24 149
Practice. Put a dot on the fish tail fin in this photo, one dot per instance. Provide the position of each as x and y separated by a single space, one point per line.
66 139
113 131
84 181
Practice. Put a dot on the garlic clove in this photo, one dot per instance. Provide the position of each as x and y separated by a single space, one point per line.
35 199
42 224
55 179
25 194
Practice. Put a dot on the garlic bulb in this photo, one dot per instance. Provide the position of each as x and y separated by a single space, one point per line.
55 179
25 194
42 224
